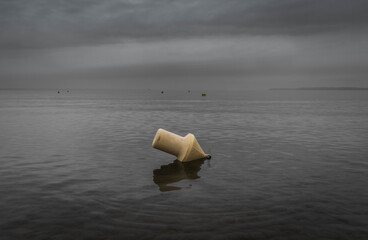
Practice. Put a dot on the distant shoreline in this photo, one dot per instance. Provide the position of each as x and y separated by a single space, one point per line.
322 89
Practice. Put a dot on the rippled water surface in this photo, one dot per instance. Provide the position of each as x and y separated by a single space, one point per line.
285 165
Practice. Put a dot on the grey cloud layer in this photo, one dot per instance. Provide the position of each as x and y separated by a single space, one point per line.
208 43
231 62
43 23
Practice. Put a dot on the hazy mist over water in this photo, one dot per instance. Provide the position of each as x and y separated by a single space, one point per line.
285 165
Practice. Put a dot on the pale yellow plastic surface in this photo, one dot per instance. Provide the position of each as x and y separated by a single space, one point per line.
184 148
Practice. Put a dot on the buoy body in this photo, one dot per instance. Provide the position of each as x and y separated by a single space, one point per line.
184 148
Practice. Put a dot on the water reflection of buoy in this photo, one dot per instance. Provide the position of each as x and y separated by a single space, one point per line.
175 172
184 148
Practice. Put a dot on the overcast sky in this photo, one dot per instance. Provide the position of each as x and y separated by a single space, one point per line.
184 44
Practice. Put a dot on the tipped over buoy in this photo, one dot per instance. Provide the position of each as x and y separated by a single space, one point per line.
184 148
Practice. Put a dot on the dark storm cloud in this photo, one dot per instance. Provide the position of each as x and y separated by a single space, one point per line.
43 23
209 43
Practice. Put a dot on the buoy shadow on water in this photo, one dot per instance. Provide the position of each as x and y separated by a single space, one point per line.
176 172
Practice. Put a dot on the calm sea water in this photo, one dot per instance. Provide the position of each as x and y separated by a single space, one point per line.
285 165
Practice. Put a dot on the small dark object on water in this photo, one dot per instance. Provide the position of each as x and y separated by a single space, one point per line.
58 91
188 91
162 92
203 94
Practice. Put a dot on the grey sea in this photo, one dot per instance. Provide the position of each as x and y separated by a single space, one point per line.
285 165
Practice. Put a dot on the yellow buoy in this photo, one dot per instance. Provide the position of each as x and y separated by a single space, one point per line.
184 148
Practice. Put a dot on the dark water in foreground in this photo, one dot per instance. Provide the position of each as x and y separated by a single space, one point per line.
285 165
